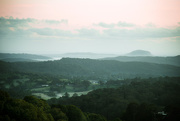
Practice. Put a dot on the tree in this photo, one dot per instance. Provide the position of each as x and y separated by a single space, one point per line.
75 114
40 103
4 96
75 95
86 84
131 112
42 108
101 83
20 110
145 112
66 95
95 117
58 114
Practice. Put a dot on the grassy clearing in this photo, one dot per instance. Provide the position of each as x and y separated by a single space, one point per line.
44 89
58 95
42 95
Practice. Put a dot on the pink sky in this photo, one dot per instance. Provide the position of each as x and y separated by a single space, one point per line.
87 12
102 26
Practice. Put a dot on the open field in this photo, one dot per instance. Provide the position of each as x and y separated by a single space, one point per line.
58 95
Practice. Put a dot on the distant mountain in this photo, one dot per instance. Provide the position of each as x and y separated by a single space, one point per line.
95 69
175 60
139 53
9 57
81 55
18 60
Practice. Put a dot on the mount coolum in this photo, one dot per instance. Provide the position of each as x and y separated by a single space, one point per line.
139 53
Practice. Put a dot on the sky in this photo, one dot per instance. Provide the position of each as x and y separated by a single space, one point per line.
97 26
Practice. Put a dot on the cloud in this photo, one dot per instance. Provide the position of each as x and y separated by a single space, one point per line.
11 22
25 35
63 21
112 25
51 32
12 29
124 24
88 33
106 25
150 25
142 33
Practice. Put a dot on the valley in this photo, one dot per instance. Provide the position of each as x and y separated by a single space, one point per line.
117 83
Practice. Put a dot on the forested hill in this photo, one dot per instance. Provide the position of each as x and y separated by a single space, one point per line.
95 69
8 57
174 60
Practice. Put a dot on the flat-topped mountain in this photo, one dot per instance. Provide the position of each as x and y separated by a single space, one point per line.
139 53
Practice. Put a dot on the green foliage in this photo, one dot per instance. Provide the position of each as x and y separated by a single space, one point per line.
135 112
131 112
4 118
40 103
34 109
86 84
75 114
58 114
75 95
93 69
173 112
4 96
149 97
136 100
95 117
29 109
20 110
66 95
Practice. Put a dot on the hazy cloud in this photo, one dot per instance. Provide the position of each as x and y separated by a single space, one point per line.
124 24
51 32
11 27
11 22
142 33
64 21
150 25
106 25
15 33
89 33
112 25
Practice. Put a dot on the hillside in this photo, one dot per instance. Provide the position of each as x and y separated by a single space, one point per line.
81 55
150 59
11 57
96 69
18 60
135 101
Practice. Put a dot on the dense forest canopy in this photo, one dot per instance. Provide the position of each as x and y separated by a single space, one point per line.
170 60
95 69
153 99
89 90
